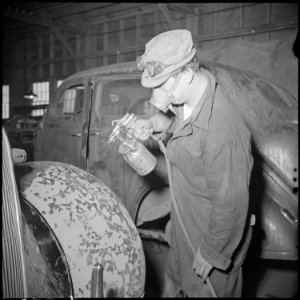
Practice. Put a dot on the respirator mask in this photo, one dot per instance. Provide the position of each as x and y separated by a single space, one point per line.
160 98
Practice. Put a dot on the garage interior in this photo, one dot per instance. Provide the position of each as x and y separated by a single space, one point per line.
46 42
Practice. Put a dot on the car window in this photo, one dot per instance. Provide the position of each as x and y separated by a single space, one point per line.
122 96
70 101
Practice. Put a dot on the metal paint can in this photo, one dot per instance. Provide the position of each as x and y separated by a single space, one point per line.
138 157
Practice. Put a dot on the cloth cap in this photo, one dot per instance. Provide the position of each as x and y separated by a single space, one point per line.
167 51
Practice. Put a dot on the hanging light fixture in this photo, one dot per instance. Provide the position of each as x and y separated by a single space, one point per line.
30 95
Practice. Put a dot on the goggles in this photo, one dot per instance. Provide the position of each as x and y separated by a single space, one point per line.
152 67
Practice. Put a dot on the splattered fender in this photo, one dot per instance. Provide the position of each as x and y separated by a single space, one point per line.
91 224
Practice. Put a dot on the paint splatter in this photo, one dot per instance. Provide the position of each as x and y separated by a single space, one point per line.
92 226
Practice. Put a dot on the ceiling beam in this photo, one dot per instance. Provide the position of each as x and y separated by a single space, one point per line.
51 25
67 45
123 16
165 11
115 8
77 23
181 10
38 21
76 8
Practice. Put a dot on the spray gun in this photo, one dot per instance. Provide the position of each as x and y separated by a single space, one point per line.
133 151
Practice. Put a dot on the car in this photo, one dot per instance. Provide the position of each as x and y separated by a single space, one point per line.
21 133
79 120
65 233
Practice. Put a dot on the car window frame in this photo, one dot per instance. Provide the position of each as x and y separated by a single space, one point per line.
51 113
99 82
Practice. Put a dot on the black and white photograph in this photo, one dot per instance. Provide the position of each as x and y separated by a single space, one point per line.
149 150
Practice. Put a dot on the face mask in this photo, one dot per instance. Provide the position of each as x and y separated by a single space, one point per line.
162 98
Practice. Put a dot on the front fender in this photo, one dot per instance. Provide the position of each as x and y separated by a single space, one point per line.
91 224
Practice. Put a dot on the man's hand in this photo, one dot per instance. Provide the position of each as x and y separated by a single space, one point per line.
142 129
200 266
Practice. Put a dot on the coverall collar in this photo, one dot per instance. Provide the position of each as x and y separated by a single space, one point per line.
202 112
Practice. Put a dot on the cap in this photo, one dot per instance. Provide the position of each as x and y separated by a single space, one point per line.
164 54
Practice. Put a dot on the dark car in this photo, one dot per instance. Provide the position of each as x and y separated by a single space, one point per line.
79 119
21 133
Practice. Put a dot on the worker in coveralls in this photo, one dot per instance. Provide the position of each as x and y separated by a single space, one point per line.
208 146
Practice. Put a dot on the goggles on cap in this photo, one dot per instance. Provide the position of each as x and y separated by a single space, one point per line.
153 67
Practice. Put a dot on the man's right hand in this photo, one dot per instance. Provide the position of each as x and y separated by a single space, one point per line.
142 129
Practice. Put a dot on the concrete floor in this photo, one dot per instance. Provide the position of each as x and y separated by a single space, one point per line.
262 278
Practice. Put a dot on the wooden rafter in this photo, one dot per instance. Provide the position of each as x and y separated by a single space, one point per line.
77 22
38 21
77 9
49 24
182 10
165 11
123 16
113 9
66 45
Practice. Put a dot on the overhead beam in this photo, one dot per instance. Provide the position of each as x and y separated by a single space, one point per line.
165 11
208 37
123 16
181 10
51 25
38 21
77 8
115 8
66 45
63 41
78 23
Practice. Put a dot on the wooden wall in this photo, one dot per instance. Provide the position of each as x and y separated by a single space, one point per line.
43 57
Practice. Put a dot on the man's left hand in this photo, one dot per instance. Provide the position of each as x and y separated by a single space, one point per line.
200 266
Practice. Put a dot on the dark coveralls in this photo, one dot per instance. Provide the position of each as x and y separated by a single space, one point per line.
211 162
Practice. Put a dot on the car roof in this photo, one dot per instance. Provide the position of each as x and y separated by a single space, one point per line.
119 68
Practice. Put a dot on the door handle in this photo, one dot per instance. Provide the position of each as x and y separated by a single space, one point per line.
76 134
79 133
95 133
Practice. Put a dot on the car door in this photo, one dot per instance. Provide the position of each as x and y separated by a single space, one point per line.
63 132
113 97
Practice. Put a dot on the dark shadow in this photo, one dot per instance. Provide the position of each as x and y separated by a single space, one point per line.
256 198
152 283
23 141
112 293
21 171
47 269
158 224
296 46
255 269
155 254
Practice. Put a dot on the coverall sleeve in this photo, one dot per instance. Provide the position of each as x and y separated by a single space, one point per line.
227 169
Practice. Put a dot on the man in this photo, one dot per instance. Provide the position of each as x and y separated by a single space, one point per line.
208 146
